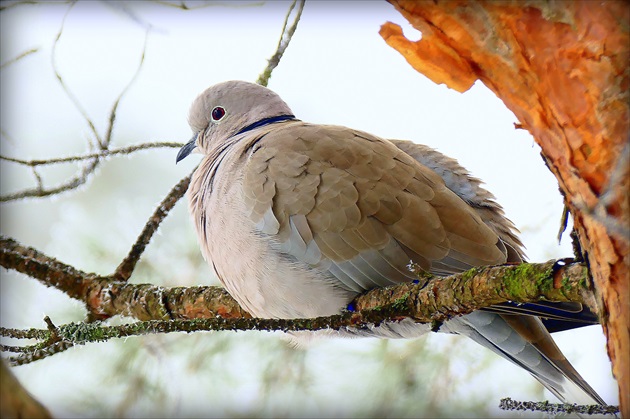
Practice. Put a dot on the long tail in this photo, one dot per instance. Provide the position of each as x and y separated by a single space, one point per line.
525 341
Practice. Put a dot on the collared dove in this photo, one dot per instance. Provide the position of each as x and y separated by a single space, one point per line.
297 219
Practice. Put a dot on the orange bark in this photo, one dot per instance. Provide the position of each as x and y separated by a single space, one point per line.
562 69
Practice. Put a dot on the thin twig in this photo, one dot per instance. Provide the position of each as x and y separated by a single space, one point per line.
103 142
99 155
7 137
283 43
19 349
81 333
7 5
65 88
40 192
564 219
79 179
23 334
19 57
112 116
45 352
126 267
199 5
38 178
557 408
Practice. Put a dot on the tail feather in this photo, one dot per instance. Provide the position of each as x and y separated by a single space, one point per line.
555 316
524 340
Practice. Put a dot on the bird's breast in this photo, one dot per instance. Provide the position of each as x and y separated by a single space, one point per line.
265 281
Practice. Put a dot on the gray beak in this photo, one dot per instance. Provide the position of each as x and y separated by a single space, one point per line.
186 149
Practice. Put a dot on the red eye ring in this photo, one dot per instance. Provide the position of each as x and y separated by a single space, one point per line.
217 113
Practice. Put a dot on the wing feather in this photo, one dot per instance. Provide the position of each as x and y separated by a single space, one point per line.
359 207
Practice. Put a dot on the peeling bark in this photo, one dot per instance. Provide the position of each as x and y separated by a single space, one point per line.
562 69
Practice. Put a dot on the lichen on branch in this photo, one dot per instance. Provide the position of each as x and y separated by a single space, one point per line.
188 309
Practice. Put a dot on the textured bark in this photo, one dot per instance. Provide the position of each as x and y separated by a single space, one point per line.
432 299
105 296
562 69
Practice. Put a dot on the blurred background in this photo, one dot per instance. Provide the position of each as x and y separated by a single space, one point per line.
337 70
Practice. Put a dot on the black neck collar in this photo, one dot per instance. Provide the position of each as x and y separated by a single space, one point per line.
266 121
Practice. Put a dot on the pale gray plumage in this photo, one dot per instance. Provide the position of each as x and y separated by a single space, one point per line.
297 219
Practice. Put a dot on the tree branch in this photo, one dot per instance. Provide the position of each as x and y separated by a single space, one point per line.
99 155
126 267
556 409
199 5
103 142
18 58
436 300
180 309
283 43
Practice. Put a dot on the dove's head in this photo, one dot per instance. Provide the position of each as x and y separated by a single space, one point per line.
227 109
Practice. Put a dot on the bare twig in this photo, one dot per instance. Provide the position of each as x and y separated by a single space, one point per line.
38 178
77 180
8 5
19 349
126 267
103 142
99 155
199 5
19 57
564 220
40 192
283 43
555 409
23 334
112 116
65 88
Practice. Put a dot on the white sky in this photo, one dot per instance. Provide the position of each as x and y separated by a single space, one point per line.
337 70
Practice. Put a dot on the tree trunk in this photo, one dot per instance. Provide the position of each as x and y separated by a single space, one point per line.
562 69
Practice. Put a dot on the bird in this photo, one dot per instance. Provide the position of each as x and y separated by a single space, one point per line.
297 219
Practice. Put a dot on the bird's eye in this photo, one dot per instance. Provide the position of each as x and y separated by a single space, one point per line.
218 113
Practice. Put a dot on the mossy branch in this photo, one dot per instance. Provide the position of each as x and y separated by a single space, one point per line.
189 309
438 299
555 409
